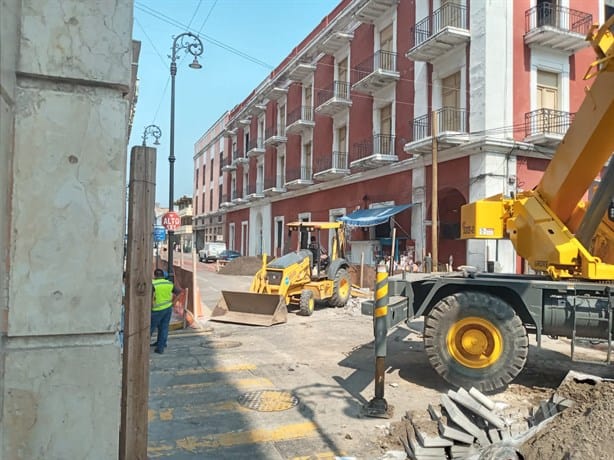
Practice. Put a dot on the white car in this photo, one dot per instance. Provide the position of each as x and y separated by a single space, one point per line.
211 252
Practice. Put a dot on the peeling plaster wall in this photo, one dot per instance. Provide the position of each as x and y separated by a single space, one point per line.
66 65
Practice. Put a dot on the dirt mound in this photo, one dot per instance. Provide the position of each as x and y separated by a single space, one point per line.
583 431
242 266
368 276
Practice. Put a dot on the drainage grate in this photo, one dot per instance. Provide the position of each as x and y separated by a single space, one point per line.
221 344
268 400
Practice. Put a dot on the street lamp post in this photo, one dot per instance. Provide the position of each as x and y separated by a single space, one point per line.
191 44
152 130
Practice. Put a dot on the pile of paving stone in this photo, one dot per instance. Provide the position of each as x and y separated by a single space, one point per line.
468 424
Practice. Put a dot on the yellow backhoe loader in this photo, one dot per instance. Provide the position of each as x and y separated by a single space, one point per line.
298 278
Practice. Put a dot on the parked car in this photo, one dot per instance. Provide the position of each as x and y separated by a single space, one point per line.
211 251
228 255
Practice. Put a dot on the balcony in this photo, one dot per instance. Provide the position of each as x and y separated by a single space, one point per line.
557 27
238 158
298 178
256 148
374 152
332 166
452 130
276 92
377 72
372 10
334 99
230 165
229 132
273 137
301 71
435 35
335 41
299 120
274 186
546 127
255 191
226 202
237 198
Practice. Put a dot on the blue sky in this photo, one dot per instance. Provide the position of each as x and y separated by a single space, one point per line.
264 30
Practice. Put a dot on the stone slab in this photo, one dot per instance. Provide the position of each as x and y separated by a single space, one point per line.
464 398
462 420
482 398
427 432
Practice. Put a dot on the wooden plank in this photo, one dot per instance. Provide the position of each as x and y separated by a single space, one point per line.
137 315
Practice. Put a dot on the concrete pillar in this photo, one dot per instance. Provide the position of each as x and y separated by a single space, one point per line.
66 65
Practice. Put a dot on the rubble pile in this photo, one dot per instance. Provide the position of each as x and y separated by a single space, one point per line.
468 424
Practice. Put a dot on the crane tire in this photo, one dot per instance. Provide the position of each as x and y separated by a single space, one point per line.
342 287
306 303
475 339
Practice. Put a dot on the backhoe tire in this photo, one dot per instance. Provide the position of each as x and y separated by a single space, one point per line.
306 303
342 287
475 339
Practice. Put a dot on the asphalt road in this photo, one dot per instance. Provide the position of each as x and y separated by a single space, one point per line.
296 390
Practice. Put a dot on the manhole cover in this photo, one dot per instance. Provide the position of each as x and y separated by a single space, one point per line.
220 344
268 400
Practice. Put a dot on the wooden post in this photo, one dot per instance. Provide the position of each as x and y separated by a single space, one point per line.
434 197
194 282
137 316
362 266
392 245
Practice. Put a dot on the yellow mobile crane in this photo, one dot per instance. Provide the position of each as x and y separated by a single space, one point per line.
476 324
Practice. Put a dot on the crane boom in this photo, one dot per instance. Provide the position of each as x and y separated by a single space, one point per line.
541 223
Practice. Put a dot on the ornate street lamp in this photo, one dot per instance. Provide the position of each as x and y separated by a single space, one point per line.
191 44
152 130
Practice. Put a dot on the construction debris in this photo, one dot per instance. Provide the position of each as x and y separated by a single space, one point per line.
469 425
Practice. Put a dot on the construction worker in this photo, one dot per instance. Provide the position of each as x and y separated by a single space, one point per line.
164 294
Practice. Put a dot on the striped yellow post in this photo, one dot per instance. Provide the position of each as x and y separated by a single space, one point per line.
378 406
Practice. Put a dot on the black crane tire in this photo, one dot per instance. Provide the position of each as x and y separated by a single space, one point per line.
475 339
306 303
342 288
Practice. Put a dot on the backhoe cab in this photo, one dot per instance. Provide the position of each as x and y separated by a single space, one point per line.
298 278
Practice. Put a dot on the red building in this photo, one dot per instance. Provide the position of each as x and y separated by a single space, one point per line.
345 122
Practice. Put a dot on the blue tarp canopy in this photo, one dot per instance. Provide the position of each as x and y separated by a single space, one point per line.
373 216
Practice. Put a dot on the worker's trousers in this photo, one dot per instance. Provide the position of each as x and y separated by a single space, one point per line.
160 320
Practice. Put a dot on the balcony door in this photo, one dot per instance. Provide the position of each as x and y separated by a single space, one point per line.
385 138
547 100
449 119
306 163
387 61
340 156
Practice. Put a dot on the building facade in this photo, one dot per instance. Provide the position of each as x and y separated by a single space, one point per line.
347 122
209 156
183 235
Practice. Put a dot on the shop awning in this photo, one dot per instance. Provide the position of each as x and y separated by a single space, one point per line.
373 216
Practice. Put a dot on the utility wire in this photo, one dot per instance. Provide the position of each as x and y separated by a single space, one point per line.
206 17
195 11
138 23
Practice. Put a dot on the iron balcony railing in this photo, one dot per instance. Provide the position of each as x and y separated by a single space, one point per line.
559 17
235 154
256 144
274 182
379 144
547 121
338 160
300 173
338 89
304 112
449 15
272 131
381 60
448 119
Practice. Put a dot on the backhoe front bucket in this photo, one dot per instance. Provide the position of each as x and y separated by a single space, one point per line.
250 308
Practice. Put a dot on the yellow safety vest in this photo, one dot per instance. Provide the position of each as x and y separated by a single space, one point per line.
163 294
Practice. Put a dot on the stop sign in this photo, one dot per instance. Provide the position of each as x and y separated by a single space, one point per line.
171 221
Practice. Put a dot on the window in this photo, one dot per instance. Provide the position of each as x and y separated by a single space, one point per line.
196 203
219 196
281 120
202 204
196 180
306 163
307 95
221 162
385 39
211 201
203 174
246 143
342 70
450 99
211 169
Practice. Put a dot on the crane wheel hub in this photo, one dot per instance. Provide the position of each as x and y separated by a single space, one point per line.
475 342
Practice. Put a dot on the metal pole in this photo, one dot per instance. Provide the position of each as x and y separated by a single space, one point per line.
378 406
195 48
171 165
434 198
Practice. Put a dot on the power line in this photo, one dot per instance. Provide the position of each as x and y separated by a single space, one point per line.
207 17
195 11
150 41
164 18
